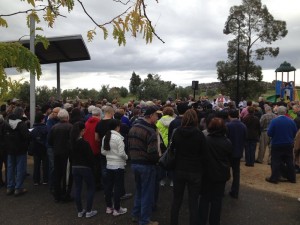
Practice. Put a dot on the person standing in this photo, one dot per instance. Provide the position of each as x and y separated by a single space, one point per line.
114 149
282 131
237 134
191 147
216 172
51 121
89 136
264 140
163 129
38 140
16 142
59 138
253 132
3 153
143 148
82 169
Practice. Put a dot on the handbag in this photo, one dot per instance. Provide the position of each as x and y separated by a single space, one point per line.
167 160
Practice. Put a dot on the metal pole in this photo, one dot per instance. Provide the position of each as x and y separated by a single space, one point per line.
32 76
58 80
238 66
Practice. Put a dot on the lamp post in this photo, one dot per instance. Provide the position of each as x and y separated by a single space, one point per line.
227 31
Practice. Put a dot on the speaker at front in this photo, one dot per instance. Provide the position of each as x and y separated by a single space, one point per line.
195 84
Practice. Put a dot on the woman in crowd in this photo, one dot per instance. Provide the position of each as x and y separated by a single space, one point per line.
190 147
216 173
114 149
38 140
82 169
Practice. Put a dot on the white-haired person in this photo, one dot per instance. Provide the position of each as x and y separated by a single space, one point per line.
58 138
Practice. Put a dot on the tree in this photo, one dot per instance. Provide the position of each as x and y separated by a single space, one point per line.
135 82
123 92
133 20
256 30
154 88
104 92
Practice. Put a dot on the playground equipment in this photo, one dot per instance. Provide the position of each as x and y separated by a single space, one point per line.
284 88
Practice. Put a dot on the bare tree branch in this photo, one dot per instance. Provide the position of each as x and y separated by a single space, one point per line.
124 3
109 22
153 31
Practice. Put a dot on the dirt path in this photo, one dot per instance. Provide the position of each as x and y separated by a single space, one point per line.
254 177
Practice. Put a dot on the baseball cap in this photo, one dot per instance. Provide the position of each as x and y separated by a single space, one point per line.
151 109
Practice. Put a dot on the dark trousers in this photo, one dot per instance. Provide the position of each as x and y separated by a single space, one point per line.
193 183
62 187
3 161
114 187
86 175
282 155
40 158
250 148
235 166
97 172
210 203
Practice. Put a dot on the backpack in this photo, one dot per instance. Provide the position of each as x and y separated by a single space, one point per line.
38 139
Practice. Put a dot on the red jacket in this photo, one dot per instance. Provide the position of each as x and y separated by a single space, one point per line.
89 134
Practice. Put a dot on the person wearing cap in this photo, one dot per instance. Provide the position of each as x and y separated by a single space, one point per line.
143 149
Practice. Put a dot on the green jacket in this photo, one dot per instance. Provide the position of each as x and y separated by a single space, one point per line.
163 127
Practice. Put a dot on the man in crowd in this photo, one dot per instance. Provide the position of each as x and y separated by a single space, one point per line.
143 148
58 138
282 131
237 134
264 140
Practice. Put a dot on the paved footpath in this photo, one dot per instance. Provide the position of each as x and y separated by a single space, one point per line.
260 203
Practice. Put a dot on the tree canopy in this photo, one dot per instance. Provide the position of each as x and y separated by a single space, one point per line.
255 29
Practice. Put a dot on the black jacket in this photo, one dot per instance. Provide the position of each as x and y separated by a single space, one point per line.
16 137
59 138
82 154
217 165
190 147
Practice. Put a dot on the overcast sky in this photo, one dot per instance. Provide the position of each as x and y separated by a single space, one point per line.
192 31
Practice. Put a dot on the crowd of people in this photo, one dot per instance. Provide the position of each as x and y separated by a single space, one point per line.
92 143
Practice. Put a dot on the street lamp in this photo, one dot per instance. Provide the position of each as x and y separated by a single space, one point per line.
227 31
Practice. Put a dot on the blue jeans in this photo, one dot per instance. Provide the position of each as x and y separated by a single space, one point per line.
145 176
114 187
51 168
86 175
250 148
16 171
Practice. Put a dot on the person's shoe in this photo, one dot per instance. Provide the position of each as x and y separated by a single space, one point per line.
81 214
162 183
249 165
256 161
232 195
119 212
171 184
9 191
45 183
298 199
91 213
271 181
126 196
36 184
109 210
153 223
136 220
19 192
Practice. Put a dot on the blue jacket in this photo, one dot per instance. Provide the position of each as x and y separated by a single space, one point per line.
282 130
237 134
